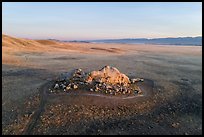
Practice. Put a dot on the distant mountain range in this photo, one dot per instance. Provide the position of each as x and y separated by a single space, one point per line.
196 41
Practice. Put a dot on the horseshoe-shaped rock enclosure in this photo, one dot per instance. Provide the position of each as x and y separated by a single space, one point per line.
107 81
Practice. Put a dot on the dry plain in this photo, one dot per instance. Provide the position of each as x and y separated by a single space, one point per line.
174 106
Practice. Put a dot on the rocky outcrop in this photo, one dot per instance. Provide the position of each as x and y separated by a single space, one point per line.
109 75
108 80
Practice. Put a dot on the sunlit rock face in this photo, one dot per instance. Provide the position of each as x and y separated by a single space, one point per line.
109 75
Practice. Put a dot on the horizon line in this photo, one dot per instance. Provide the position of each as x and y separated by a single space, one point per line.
102 38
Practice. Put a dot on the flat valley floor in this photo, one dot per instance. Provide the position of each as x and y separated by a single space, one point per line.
173 108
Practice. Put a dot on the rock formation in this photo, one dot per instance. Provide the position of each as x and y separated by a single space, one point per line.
108 80
109 75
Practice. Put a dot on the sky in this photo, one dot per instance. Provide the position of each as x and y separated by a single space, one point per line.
101 20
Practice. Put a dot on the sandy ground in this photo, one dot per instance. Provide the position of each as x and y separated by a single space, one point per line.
175 106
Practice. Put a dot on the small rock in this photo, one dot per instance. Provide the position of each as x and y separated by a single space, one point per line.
108 87
142 80
56 86
175 125
75 86
97 88
68 87
136 91
117 90
125 89
137 80
63 86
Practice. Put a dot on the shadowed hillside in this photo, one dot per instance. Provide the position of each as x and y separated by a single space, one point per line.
46 42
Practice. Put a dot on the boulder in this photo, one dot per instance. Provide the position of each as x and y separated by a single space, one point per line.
110 75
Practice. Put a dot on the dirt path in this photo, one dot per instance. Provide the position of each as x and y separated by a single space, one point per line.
43 98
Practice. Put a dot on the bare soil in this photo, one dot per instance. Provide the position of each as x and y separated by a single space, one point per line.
174 106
